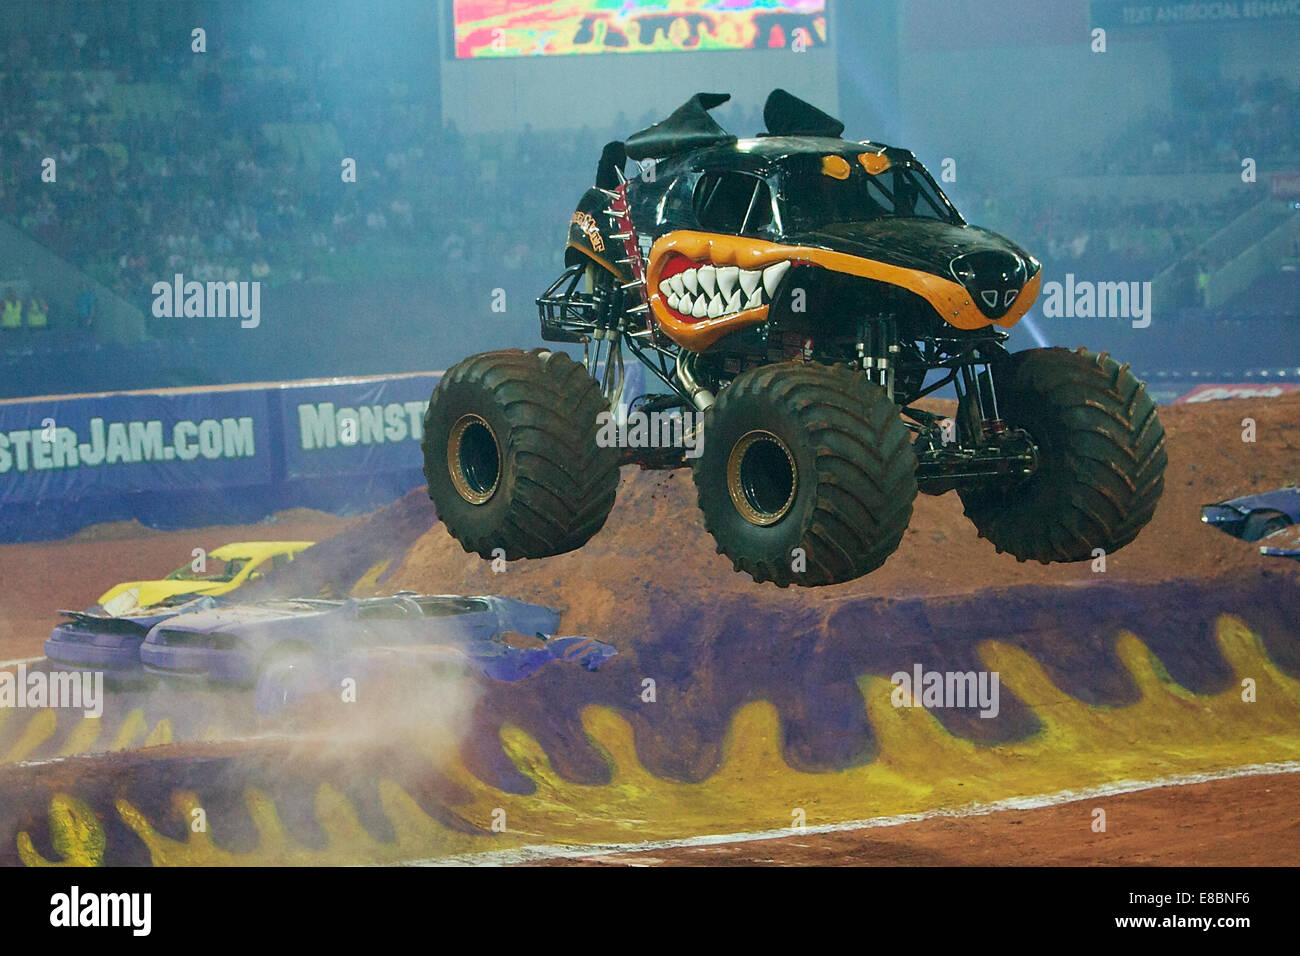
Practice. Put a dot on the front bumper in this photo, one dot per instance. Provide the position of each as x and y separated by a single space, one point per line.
197 664
117 662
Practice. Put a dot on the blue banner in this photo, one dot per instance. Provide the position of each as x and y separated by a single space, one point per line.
355 429
190 457
186 458
65 448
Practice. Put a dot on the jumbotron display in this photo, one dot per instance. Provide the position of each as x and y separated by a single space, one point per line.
488 28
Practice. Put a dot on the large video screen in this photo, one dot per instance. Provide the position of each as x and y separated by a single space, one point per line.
487 28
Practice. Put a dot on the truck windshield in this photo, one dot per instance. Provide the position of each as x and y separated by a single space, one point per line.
811 199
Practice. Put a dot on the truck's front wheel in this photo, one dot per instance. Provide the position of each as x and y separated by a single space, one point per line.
511 456
807 474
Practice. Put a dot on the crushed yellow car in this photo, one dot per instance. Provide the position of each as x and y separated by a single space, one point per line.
215 572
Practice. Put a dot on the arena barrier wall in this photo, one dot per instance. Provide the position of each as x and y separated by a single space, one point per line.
189 457
196 456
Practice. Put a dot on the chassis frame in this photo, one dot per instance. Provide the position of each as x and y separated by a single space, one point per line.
978 447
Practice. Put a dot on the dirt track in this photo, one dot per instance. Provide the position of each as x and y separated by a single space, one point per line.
652 584
1246 821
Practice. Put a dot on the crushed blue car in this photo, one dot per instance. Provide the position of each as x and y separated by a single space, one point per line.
1282 545
287 649
97 640
1252 517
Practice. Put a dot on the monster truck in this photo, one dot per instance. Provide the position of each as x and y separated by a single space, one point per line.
793 293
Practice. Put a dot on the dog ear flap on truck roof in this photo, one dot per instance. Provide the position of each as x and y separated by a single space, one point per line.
612 160
786 115
689 127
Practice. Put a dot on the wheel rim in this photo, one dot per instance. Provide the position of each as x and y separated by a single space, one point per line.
762 478
474 459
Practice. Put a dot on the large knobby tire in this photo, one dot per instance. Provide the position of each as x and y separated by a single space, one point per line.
1101 457
811 457
511 456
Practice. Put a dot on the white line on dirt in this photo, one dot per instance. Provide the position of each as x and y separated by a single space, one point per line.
531 854
21 660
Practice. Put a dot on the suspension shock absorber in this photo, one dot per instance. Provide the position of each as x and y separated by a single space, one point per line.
878 350
979 381
890 336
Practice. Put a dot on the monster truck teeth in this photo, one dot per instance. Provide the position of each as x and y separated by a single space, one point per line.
708 276
709 291
727 277
772 277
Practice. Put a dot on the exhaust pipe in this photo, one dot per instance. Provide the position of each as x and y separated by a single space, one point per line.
700 396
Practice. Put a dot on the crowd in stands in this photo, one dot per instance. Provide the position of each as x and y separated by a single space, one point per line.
229 167
234 171
1136 237
1220 122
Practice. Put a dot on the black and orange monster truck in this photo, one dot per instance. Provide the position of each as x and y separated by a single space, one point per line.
797 290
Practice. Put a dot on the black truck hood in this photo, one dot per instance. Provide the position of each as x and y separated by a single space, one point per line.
993 270
927 245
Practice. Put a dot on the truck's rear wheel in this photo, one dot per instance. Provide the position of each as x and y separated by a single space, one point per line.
807 474
1101 454
511 457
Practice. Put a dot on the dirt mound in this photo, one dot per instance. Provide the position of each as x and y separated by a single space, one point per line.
655 542
1118 682
364 560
